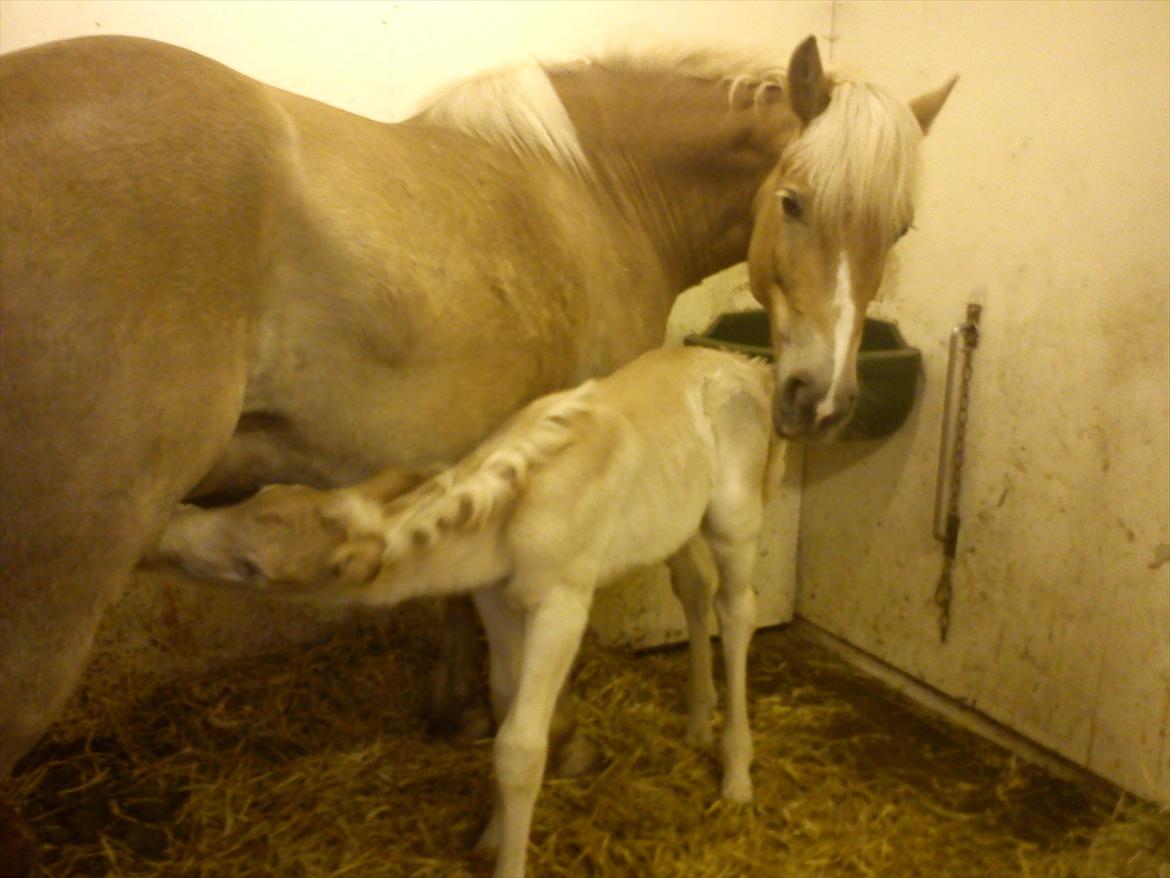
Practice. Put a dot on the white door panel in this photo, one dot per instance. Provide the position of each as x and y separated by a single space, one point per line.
1046 200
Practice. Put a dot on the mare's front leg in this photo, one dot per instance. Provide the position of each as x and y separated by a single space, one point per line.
553 628
456 701
691 587
504 624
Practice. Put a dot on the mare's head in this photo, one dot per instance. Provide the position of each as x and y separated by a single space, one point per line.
286 540
825 220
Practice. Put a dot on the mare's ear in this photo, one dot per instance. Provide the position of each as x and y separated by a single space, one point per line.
807 90
358 561
925 107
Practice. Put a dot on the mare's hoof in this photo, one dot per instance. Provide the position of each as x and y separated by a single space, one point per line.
575 757
18 845
489 840
468 723
700 736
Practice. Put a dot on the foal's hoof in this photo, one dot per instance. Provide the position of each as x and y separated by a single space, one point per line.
737 789
575 757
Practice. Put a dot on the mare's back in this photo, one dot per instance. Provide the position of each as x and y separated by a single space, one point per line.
133 171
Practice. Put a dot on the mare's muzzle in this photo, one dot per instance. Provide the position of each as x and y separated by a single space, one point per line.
808 407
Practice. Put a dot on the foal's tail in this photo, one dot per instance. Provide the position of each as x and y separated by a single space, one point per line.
482 487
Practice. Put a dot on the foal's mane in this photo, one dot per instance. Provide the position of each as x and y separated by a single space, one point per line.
517 107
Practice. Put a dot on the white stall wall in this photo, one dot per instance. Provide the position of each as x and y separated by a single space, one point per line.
1047 200
379 59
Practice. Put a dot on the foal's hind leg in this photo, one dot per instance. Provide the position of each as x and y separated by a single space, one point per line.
553 630
455 702
732 534
693 591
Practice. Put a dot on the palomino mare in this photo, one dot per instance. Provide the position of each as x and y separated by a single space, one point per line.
208 284
575 489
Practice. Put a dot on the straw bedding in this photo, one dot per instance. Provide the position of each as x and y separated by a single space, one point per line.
314 762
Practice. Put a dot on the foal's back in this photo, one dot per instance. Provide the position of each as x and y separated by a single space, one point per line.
671 442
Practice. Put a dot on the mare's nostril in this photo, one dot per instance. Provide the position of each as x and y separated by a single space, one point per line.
832 419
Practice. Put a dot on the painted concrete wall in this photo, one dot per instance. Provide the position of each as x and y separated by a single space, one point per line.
379 59
1047 200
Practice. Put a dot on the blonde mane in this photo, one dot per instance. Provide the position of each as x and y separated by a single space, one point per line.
476 491
861 159
860 156
517 108
754 70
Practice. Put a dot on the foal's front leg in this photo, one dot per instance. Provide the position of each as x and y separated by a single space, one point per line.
735 605
553 630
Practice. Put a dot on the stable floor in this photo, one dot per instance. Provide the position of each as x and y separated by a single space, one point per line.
314 763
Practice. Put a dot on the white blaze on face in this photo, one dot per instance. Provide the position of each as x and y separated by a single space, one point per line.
842 334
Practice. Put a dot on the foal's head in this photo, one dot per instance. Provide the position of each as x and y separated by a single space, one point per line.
286 540
825 220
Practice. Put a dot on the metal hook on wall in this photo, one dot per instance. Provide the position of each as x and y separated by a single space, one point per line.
952 446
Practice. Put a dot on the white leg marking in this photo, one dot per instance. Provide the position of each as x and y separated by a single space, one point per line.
842 334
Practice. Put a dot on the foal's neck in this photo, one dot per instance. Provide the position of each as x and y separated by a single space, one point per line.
678 158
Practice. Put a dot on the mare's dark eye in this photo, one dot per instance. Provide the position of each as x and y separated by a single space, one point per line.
902 234
791 206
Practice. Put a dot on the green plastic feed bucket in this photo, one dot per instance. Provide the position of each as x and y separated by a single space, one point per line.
887 367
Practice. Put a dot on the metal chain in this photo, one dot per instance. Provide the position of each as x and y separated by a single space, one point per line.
944 591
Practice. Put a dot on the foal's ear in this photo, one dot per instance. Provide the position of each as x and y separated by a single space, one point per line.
925 107
807 91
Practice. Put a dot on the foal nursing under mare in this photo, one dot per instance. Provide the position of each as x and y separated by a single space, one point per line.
208 284
578 488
